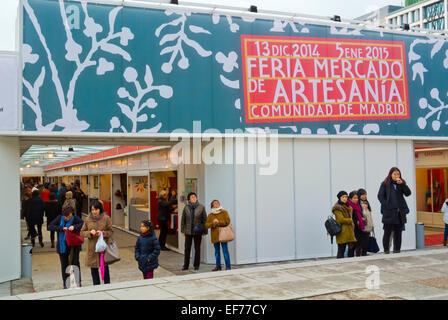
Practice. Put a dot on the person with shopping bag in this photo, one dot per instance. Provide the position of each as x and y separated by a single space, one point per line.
98 230
217 221
65 225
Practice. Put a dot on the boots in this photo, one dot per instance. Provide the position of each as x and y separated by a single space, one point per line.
444 243
41 242
52 243
217 268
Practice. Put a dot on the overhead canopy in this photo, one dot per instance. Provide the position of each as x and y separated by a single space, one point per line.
41 156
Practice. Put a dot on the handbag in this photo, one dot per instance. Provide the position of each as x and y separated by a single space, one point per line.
373 245
73 238
333 228
111 255
226 234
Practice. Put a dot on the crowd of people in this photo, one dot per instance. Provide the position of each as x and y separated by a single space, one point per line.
353 213
63 210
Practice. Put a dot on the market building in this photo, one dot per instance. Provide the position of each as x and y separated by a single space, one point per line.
348 103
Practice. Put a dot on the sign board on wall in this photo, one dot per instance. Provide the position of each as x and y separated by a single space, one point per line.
119 69
8 92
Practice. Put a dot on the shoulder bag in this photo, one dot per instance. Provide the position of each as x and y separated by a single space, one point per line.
111 254
226 234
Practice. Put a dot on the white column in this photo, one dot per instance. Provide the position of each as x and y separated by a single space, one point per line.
445 14
10 239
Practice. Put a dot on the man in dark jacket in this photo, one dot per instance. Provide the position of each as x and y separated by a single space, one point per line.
193 227
163 217
51 212
35 213
393 207
67 255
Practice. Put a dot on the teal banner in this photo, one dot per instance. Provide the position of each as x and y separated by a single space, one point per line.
112 69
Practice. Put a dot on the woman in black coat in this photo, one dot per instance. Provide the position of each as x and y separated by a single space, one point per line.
51 212
393 207
147 250
35 214
67 255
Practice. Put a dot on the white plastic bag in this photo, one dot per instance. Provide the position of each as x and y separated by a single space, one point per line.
101 245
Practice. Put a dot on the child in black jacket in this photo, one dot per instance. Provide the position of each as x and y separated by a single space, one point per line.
147 250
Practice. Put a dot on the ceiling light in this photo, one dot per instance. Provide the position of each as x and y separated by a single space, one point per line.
36 161
28 166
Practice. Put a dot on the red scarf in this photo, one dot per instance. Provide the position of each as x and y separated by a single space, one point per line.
357 209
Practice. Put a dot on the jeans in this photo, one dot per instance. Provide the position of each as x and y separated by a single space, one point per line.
445 235
225 252
96 276
148 275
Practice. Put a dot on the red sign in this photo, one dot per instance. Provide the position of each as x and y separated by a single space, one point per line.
289 79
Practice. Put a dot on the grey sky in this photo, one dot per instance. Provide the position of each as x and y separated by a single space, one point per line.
345 8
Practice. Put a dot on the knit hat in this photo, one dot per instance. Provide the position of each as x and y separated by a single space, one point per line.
341 193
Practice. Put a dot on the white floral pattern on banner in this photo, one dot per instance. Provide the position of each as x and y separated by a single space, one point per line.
181 38
432 111
69 120
229 63
418 69
347 131
345 31
232 25
280 25
133 111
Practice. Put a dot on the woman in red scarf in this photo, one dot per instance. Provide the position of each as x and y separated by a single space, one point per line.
363 237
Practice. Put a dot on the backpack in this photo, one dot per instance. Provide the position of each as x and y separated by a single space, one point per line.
333 228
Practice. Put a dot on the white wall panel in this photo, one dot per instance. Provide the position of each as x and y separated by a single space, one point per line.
313 198
275 208
10 214
405 162
347 165
219 185
380 156
245 214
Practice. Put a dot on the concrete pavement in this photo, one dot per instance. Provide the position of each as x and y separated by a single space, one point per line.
419 274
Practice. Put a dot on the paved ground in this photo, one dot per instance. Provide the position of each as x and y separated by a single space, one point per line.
419 274
46 273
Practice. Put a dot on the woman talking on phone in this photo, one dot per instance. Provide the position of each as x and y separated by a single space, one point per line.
393 207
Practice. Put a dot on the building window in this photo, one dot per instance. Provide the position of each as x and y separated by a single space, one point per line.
434 10
438 24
